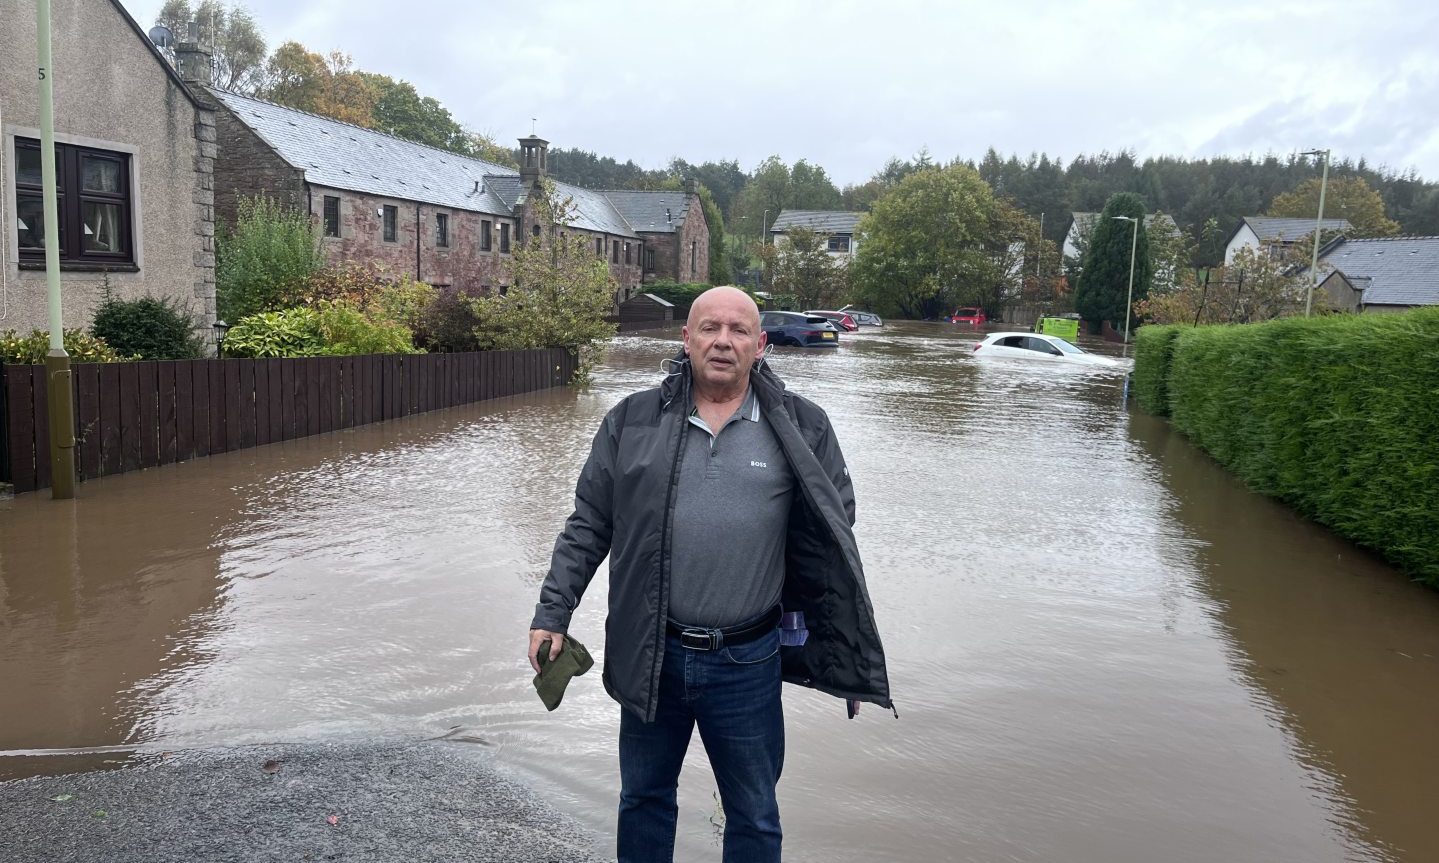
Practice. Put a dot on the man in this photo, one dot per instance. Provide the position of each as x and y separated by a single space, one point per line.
721 498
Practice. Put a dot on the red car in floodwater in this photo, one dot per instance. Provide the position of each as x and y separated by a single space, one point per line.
839 319
972 316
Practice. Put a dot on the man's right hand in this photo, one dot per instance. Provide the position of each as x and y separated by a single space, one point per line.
538 637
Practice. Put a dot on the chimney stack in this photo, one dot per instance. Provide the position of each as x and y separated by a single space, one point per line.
194 60
692 186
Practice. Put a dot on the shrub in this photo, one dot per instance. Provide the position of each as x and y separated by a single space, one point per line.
265 261
1153 350
329 329
1335 416
147 328
31 350
448 322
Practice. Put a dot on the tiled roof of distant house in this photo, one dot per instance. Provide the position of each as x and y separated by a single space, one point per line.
651 212
1285 230
819 221
1392 271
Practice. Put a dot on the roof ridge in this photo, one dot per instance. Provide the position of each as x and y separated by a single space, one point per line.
330 119
1389 239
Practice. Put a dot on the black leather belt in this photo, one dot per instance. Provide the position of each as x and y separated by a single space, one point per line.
699 638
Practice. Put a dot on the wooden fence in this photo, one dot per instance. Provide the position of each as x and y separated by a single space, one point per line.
130 416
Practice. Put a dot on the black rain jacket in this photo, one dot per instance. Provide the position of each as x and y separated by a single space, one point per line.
624 505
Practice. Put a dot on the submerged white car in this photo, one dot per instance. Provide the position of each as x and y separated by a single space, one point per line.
1029 346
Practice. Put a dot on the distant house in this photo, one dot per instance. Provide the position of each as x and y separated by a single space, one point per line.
837 227
674 231
1081 226
1275 235
1389 274
445 219
134 154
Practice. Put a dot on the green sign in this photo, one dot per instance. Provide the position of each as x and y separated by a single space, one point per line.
1065 328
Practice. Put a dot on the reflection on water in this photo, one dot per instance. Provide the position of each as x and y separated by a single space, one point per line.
1102 648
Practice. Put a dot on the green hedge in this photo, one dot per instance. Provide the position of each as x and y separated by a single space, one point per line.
1336 416
1153 351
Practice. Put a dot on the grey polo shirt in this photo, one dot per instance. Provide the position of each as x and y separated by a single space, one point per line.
731 516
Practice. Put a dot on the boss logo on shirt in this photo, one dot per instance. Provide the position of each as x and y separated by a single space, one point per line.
759 464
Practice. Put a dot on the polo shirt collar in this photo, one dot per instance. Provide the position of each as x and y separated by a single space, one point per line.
748 409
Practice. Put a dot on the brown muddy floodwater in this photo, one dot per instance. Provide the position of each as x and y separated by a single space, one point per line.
1103 648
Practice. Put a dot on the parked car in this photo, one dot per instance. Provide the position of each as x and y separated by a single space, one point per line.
969 315
842 320
864 319
1028 346
793 328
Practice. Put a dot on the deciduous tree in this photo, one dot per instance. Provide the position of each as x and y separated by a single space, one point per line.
801 265
1345 198
230 31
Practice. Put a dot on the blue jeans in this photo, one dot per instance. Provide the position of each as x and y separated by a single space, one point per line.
733 695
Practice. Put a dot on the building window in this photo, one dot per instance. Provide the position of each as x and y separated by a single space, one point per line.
332 216
649 260
391 219
694 251
615 252
535 229
504 290
442 230
627 254
839 242
485 238
504 238
599 247
92 190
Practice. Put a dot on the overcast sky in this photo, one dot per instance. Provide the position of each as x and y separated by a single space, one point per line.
847 84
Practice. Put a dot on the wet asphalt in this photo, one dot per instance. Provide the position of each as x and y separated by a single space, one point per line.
432 801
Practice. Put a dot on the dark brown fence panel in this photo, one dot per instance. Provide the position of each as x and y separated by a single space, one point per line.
243 397
219 430
275 410
326 373
19 418
40 397
288 413
148 428
87 419
200 376
129 416
184 410
261 395
311 374
169 443
234 419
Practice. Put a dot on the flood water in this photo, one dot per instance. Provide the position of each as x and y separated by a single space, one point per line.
1102 647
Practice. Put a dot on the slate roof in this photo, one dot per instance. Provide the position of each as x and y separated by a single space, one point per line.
1150 220
1286 230
819 221
345 156
645 211
1400 271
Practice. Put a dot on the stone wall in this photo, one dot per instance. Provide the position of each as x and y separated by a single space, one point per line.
673 249
247 167
112 93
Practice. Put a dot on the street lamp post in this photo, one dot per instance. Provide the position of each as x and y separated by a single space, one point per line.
762 219
221 328
57 362
1318 220
1129 301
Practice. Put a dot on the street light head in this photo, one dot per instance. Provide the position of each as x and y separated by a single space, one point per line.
1124 218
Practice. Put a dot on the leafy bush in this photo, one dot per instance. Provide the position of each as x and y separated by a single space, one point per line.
265 261
147 328
330 329
1335 416
31 350
1153 350
448 322
288 333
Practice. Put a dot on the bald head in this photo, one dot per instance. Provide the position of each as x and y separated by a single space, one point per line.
723 300
722 338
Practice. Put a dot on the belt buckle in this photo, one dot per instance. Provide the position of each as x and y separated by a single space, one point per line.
694 639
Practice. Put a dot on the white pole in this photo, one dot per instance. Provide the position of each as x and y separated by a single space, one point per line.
1314 257
1129 301
47 175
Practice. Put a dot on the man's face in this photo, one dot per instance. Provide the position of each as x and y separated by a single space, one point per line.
723 338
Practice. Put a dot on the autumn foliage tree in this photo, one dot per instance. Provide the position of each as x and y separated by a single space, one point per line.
1344 198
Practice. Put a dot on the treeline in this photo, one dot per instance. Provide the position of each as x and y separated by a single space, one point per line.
1206 197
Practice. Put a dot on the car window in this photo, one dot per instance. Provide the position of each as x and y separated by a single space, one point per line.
771 320
1041 345
1012 342
1066 346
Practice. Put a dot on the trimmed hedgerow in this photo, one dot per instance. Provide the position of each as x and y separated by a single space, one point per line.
1336 416
1153 351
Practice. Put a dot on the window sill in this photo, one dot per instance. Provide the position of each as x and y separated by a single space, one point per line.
74 267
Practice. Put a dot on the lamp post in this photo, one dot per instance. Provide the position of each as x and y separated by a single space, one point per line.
762 220
221 328
1318 220
57 361
1129 302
